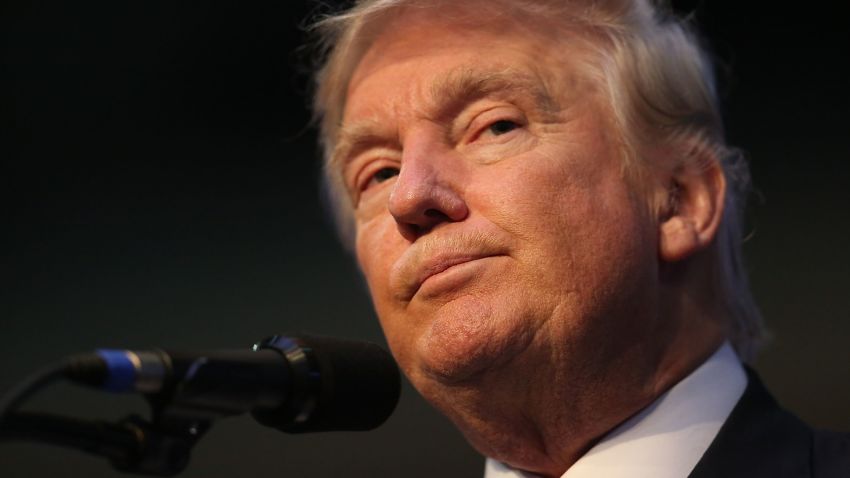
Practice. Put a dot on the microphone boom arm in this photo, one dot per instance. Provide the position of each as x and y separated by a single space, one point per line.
294 384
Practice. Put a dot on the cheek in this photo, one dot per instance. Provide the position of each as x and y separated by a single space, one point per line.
612 247
374 253
538 197
574 210
378 246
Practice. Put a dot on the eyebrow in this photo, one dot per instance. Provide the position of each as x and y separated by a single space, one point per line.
355 137
463 86
447 97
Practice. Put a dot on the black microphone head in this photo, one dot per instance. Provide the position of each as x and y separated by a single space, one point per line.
337 385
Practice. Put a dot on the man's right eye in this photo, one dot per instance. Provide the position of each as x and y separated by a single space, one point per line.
382 175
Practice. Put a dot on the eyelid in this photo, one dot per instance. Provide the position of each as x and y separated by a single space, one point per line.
487 118
366 165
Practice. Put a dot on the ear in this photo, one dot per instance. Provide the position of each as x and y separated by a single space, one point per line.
693 207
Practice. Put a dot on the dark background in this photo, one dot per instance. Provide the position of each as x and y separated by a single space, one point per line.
159 188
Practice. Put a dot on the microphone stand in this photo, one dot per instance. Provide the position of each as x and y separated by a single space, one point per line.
283 382
161 447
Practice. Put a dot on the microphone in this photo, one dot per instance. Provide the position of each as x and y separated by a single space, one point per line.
293 384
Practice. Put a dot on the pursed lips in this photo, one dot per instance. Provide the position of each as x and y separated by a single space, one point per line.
419 264
441 264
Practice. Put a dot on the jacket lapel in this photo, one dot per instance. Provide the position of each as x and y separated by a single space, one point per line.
759 439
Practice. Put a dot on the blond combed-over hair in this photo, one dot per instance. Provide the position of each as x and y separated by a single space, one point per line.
660 86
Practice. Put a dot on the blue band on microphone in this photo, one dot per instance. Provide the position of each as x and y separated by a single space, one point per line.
121 373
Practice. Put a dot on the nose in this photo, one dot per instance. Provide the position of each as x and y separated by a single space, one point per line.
426 193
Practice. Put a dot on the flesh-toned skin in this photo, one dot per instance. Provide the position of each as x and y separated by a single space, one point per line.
519 277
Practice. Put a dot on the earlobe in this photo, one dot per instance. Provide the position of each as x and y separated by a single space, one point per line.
694 207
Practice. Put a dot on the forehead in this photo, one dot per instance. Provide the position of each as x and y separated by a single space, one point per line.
459 34
427 57
442 91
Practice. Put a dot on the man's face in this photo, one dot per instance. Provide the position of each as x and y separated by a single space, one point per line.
495 227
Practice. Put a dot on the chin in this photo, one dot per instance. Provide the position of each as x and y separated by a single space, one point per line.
465 342
449 356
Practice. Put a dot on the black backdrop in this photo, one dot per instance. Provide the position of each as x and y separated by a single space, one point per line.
159 187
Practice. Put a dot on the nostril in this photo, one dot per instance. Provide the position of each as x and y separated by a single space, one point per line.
436 214
409 231
428 220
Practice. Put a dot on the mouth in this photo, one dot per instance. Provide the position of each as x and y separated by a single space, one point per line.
443 264
442 274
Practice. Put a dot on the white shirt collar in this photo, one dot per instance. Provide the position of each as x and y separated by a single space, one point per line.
668 438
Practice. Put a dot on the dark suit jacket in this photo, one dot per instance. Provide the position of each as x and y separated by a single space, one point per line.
760 439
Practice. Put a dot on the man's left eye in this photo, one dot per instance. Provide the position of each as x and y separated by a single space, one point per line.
502 126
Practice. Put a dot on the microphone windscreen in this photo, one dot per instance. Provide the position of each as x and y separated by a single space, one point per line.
359 387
